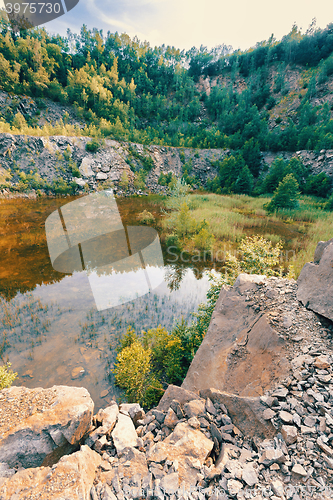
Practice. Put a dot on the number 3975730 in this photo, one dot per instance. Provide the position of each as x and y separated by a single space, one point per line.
32 8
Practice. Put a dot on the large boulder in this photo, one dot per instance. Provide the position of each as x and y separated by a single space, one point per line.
189 447
245 412
71 479
38 426
315 282
179 394
241 353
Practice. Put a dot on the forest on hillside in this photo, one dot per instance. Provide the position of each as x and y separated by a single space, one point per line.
132 91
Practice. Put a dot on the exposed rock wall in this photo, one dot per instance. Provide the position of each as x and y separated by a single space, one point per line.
54 157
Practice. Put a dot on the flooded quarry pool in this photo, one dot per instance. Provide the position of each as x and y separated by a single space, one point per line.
54 328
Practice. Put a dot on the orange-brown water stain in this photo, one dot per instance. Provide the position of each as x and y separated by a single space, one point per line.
25 259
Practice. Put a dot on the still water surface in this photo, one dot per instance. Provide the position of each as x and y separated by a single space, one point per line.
50 328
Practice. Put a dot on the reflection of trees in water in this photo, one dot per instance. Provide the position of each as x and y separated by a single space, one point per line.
174 275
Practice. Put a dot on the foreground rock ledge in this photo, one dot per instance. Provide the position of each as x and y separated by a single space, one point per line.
71 478
38 426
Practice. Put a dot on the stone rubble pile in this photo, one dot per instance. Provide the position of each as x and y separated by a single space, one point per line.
189 447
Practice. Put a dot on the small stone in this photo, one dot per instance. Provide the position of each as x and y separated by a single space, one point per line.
99 443
124 434
169 483
322 362
234 487
159 415
286 416
78 372
171 419
297 420
194 422
101 176
195 408
299 470
325 379
249 475
277 487
104 393
307 430
269 457
267 400
268 414
289 434
326 449
280 393
210 407
329 420
310 421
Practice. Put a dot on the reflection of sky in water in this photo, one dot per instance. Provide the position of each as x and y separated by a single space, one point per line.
75 292
113 289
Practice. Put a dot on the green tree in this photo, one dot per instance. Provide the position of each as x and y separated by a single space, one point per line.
275 175
252 156
244 182
318 185
286 195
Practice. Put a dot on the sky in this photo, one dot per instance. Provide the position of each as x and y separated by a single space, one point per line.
188 23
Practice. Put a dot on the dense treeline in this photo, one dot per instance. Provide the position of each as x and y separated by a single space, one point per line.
131 91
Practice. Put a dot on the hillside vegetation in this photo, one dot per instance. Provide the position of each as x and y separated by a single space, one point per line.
276 96
278 92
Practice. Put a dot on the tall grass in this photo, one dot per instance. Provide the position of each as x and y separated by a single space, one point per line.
233 217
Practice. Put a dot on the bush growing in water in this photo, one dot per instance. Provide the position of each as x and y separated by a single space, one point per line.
146 217
7 376
144 363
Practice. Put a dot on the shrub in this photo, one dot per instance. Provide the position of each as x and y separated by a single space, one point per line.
60 186
140 179
185 224
19 121
132 371
258 256
146 217
329 204
7 376
123 183
93 146
203 239
165 179
172 240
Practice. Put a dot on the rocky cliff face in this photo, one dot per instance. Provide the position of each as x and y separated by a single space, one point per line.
60 157
254 418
